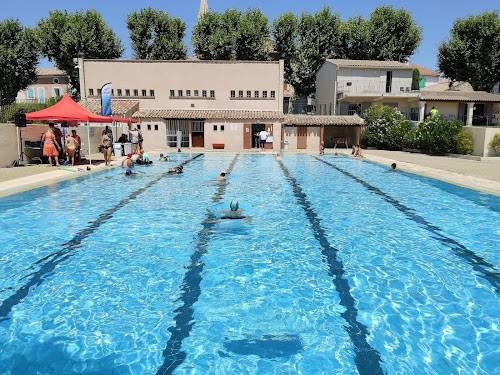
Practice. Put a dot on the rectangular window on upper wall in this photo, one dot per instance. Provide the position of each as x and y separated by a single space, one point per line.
204 93
222 128
273 94
249 94
119 92
188 92
127 92
196 93
138 126
151 92
212 93
256 94
98 91
149 126
172 92
91 92
264 94
233 94
112 92
179 92
136 92
143 92
31 94
215 127
240 94
156 126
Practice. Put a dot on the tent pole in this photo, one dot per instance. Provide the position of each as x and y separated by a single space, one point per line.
19 156
88 134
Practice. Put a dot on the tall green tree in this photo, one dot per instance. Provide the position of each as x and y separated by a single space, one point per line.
18 59
214 36
64 36
354 41
157 36
284 34
252 36
472 52
394 34
318 38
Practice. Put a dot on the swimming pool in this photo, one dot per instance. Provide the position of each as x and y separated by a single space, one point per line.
338 268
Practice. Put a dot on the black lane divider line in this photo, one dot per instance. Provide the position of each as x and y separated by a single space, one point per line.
190 289
484 269
70 249
366 358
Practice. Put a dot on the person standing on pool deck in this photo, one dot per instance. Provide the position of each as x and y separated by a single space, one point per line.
78 143
107 145
322 148
134 138
257 139
263 136
50 146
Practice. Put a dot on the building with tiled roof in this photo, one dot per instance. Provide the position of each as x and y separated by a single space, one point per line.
50 83
121 107
427 77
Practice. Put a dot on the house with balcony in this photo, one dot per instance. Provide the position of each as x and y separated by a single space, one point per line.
50 83
348 87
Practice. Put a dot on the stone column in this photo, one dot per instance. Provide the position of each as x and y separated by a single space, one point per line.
422 111
470 113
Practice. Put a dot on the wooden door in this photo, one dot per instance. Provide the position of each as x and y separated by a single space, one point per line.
247 136
301 137
269 129
198 140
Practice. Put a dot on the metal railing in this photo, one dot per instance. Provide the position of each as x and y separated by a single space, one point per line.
346 86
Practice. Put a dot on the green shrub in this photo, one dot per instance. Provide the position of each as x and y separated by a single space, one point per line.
411 139
464 142
437 136
385 128
495 143
7 114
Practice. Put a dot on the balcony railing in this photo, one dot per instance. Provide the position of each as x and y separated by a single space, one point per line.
367 87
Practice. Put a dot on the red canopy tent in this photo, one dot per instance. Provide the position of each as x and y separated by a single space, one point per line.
67 110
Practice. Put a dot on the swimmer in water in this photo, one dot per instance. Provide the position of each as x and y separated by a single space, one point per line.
393 168
222 176
235 212
163 158
278 157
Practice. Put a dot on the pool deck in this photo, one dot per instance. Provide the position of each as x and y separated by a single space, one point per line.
482 174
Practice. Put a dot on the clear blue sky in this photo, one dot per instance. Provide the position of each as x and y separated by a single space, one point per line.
436 17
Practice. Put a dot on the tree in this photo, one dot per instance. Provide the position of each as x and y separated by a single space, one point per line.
284 34
318 38
214 36
415 81
65 36
386 128
472 53
394 35
252 35
18 59
354 39
156 36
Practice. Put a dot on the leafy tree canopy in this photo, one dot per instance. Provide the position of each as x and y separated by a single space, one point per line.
65 36
252 36
472 52
18 59
157 36
284 34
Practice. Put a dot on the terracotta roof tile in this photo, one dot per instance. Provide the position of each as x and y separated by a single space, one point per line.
424 71
208 114
322 120
50 72
118 107
459 96
445 86
369 64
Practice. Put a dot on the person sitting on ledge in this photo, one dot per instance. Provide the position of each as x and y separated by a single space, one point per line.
143 158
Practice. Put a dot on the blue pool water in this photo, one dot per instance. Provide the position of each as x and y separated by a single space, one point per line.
337 268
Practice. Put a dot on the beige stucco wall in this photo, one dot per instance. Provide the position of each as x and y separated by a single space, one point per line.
163 76
373 80
482 137
8 145
153 139
325 86
444 108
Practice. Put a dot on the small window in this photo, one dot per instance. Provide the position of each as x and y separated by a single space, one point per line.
179 92
204 93
233 94
112 92
144 92
256 94
249 94
136 92
149 126
151 92
91 92
188 92
215 128
138 126
222 128
240 94
264 94
119 92
349 84
156 126
212 93
57 92
31 93
172 92
99 91
55 80
273 94
127 92
196 93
